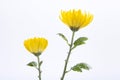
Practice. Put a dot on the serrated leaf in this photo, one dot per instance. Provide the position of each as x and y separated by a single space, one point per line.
80 41
80 66
76 68
61 35
32 64
85 66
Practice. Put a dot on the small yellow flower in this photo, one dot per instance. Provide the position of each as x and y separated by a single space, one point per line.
36 45
75 19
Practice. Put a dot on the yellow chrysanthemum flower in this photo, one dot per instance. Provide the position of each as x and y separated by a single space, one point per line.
75 19
36 45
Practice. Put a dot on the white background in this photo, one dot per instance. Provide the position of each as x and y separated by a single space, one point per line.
22 19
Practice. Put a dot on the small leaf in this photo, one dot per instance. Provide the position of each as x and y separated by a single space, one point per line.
85 66
60 34
76 68
80 66
32 64
80 41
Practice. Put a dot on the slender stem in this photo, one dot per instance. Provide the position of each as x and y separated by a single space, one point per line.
39 70
68 56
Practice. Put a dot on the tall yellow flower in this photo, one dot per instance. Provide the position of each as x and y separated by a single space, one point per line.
36 45
76 19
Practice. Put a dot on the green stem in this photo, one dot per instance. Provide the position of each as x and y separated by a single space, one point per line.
39 70
68 56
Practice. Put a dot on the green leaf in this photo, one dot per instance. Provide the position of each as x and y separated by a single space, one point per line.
80 66
61 35
76 68
80 41
85 66
32 64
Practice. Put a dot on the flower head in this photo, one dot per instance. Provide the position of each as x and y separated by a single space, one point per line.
36 45
75 19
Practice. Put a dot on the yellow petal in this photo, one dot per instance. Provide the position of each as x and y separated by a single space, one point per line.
36 45
75 19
